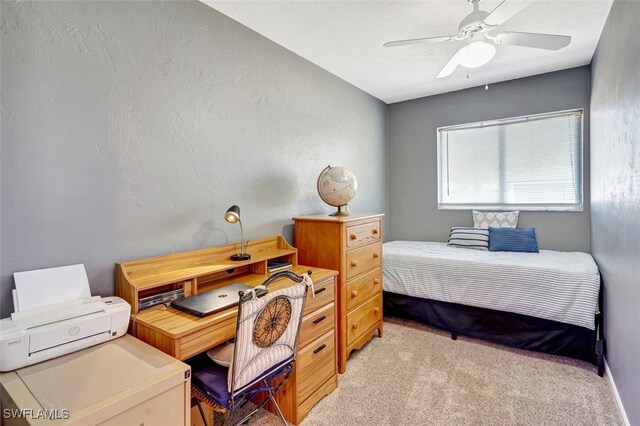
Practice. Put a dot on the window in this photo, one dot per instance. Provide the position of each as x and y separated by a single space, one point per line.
525 163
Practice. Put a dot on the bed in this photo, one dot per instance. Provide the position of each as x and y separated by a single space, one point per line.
545 301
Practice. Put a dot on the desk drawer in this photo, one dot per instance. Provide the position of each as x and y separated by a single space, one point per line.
201 340
324 294
361 235
364 259
363 318
363 287
315 364
316 324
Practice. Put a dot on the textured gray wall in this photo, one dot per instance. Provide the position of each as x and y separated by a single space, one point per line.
128 128
411 128
615 194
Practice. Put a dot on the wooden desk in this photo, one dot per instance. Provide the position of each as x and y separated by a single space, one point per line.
183 335
95 387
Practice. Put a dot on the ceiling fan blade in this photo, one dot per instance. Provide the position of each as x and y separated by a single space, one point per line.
506 10
538 41
418 41
450 67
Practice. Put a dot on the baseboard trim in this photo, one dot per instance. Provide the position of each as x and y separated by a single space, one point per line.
616 395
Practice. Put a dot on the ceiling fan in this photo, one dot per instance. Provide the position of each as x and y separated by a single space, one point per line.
476 30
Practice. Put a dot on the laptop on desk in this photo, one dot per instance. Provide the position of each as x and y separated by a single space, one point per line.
212 301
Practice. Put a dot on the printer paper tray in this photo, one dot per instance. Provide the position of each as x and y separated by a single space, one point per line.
69 331
76 345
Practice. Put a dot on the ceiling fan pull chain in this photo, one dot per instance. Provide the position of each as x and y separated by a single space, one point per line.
468 44
486 79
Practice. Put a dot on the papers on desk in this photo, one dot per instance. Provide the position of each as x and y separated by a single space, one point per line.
43 287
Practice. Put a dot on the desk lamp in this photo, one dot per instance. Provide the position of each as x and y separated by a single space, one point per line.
232 216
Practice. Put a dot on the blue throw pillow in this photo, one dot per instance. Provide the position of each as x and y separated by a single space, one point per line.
513 239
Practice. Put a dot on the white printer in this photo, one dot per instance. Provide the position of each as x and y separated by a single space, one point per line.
44 331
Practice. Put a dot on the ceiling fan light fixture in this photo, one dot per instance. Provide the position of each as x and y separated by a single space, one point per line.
475 54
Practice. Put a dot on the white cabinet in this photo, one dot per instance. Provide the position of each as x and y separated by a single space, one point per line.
121 382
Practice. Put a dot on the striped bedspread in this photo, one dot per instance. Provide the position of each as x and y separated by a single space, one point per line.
558 286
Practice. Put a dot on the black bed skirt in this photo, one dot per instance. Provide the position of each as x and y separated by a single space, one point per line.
515 330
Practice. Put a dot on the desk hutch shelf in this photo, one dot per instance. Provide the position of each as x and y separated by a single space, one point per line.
197 270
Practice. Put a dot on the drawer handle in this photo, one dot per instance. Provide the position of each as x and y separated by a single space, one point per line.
375 255
354 263
374 231
354 293
376 310
318 291
353 236
355 325
320 348
376 281
317 320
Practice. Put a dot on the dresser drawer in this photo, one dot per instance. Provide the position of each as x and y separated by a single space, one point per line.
316 324
315 364
324 294
361 235
363 287
363 318
364 259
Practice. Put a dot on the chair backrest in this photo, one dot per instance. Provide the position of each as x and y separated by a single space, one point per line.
267 332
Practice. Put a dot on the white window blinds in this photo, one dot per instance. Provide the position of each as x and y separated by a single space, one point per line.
526 163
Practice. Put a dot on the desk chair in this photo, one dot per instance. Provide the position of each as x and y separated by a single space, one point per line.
265 349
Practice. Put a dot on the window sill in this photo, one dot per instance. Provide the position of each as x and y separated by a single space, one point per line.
575 208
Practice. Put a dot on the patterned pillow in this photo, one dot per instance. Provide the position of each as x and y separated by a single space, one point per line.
495 219
472 238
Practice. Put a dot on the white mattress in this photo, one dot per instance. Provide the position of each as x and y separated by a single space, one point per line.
558 286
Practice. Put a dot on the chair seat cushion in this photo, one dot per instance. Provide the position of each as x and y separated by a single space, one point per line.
210 378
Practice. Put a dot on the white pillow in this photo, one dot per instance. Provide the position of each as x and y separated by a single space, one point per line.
495 219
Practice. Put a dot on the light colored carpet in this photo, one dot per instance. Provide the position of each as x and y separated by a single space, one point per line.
417 375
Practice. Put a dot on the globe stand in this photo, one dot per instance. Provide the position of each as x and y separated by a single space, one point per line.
346 211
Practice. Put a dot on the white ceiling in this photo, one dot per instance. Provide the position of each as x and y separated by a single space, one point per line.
346 37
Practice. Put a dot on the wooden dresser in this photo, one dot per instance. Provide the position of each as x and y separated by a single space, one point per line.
183 335
351 245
